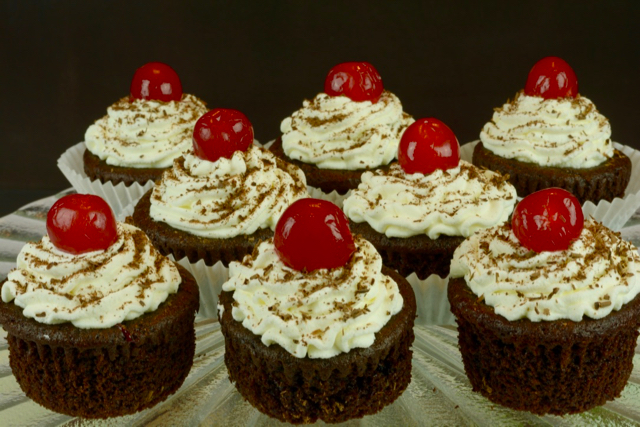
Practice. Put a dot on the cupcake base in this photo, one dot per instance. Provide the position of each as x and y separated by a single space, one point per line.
100 170
303 390
559 367
603 182
169 240
327 180
419 254
100 373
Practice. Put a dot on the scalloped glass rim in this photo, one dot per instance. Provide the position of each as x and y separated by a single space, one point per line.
613 214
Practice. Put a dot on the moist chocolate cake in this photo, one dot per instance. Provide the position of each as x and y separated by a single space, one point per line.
327 180
169 240
100 373
99 169
419 254
556 367
303 390
603 182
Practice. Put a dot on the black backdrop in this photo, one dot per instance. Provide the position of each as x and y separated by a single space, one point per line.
64 62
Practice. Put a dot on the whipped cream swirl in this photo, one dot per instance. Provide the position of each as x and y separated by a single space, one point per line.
97 289
454 202
334 132
145 133
597 274
317 314
565 132
228 197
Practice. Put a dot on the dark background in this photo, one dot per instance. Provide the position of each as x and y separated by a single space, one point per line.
64 62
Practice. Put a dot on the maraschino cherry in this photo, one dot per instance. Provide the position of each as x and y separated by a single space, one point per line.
313 234
427 145
156 81
80 223
359 81
552 78
220 133
548 220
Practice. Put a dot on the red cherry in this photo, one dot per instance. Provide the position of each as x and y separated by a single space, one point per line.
156 81
80 223
313 234
359 81
552 78
220 133
548 220
427 145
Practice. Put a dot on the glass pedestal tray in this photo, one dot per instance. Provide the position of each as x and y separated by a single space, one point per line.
439 393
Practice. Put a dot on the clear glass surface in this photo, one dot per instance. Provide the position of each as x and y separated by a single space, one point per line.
439 393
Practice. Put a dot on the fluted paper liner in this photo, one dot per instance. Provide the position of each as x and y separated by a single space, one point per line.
118 196
614 214
431 300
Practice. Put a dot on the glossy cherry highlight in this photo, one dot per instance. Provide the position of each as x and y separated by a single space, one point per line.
220 133
359 81
552 78
156 81
80 223
313 234
426 145
548 220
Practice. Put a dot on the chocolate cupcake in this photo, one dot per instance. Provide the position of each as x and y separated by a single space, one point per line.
143 133
344 131
416 213
217 208
305 378
547 330
551 136
110 329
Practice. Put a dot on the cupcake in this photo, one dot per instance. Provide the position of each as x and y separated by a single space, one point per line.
551 136
222 198
547 308
354 126
315 327
137 140
96 315
417 211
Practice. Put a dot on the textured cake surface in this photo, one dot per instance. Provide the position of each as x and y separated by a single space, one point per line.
100 373
419 254
99 169
303 390
603 182
556 367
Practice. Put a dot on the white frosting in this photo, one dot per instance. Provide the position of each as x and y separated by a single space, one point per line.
228 197
454 202
145 133
562 132
334 132
97 289
318 314
597 274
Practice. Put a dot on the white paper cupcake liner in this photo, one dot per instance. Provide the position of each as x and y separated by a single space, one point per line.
431 300
210 280
614 214
118 196
332 197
